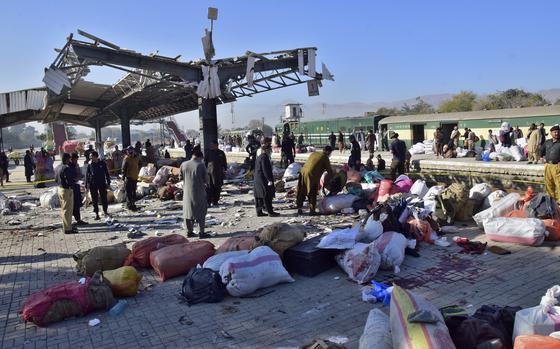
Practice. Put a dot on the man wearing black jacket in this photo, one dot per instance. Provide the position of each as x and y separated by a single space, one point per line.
97 181
216 163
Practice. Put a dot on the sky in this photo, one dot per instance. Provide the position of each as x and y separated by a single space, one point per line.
377 50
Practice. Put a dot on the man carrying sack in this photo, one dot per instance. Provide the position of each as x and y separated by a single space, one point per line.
550 151
64 177
309 178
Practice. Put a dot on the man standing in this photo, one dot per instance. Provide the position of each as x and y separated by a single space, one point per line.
88 152
371 140
195 177
77 172
117 157
355 158
64 176
216 163
518 133
341 144
288 150
332 139
455 136
542 133
29 165
438 142
97 181
264 181
300 140
550 151
309 177
398 149
533 144
251 149
188 150
4 164
130 170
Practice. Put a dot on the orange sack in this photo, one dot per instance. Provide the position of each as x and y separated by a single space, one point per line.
553 228
535 341
140 256
176 260
238 243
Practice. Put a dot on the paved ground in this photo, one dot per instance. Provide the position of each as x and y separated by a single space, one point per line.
35 254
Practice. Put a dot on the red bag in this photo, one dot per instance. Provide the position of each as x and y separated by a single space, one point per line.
238 243
140 256
553 228
386 188
176 260
67 299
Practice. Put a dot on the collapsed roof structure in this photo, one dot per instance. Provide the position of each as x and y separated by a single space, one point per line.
153 86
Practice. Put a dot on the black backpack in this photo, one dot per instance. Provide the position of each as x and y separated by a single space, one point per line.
203 285
541 206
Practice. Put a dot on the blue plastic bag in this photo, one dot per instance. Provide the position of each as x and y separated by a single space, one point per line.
373 176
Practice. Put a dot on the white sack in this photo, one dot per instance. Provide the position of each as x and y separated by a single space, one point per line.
542 319
493 198
49 199
292 171
524 231
391 246
360 263
162 176
480 191
502 207
333 204
419 188
215 262
377 332
372 230
262 267
341 239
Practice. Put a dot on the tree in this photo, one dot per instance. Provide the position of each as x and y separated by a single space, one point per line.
71 132
387 111
255 124
420 107
42 137
463 101
512 98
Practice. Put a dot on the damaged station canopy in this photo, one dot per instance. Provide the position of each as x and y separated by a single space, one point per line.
153 86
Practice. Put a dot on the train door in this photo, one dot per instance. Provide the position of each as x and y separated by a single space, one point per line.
417 134
446 129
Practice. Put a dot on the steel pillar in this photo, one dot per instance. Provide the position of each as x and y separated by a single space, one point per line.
99 139
125 130
208 119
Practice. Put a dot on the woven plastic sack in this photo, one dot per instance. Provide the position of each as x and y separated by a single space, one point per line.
377 332
419 188
161 176
68 299
500 209
260 268
391 246
176 260
280 236
334 204
480 191
523 231
542 319
360 263
493 198
408 335
140 256
238 243
341 239
292 171
371 230
536 341
49 199
216 261
101 258
124 281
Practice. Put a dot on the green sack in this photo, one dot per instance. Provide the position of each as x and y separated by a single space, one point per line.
101 258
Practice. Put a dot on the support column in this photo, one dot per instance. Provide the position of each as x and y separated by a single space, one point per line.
99 139
125 130
1 139
208 119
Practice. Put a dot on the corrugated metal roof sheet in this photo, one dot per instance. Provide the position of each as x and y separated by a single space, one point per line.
473 115
17 101
3 103
32 99
55 79
36 99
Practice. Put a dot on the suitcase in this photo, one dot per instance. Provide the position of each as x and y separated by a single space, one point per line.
307 259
